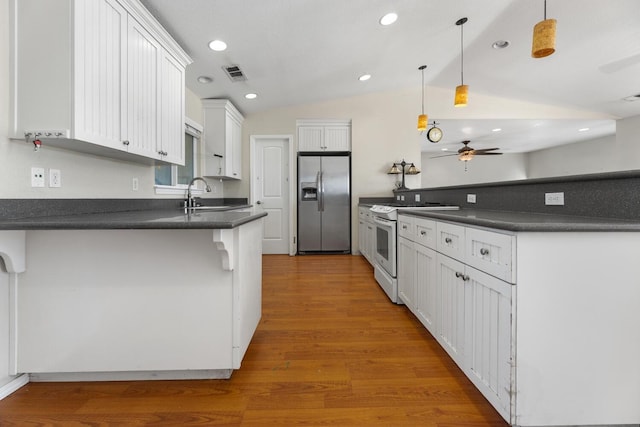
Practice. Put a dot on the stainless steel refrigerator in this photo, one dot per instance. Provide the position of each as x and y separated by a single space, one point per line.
324 203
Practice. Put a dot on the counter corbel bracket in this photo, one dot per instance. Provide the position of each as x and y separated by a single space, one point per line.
12 250
223 239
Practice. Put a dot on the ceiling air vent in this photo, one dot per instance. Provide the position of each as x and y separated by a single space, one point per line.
235 73
632 98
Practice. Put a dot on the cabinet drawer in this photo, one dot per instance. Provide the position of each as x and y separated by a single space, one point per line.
362 213
491 252
425 230
450 240
406 227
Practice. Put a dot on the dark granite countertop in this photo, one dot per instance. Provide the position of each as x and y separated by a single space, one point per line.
139 219
522 221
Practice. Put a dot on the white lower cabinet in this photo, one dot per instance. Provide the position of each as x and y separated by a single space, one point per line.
366 236
540 322
468 311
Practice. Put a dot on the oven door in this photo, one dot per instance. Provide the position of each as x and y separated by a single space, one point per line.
385 245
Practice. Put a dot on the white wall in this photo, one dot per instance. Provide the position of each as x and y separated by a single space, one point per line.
613 153
447 171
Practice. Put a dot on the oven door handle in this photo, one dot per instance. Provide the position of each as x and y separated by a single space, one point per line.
383 222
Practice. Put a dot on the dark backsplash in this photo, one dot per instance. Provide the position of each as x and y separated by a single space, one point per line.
30 208
609 195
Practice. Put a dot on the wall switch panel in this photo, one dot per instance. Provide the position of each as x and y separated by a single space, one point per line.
134 184
55 178
471 198
417 197
37 177
554 199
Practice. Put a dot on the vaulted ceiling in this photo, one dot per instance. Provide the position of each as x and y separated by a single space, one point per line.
304 51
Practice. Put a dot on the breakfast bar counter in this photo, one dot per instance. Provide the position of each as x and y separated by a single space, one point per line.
133 295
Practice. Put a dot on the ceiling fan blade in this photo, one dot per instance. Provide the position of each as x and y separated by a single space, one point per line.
444 155
484 150
481 153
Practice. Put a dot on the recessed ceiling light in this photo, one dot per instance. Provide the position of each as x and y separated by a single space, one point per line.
500 44
388 19
445 149
496 130
205 79
218 45
251 96
364 77
583 129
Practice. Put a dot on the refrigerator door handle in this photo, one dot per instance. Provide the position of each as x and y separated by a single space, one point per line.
318 194
321 198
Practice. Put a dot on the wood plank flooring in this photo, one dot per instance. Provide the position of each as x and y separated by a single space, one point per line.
330 350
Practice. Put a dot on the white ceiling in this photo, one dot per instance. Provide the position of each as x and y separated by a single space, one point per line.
304 51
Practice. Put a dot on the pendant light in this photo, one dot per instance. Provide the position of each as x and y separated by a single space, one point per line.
544 36
462 91
422 118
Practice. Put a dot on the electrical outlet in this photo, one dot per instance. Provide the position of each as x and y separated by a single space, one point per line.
55 178
554 199
402 198
417 197
471 198
37 177
134 184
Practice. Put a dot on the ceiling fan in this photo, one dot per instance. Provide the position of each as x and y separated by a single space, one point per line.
467 153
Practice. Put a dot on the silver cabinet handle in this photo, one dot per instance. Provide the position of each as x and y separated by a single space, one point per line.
458 274
259 202
404 227
484 251
423 233
447 240
125 142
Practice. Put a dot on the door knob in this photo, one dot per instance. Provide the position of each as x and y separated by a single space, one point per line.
258 202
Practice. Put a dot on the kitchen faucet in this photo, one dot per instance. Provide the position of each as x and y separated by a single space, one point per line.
190 201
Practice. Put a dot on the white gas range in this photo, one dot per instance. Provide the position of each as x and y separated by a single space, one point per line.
385 218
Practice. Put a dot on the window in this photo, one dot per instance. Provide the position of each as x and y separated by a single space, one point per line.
171 179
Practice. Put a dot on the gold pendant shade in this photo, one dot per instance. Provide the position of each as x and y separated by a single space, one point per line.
462 94
544 38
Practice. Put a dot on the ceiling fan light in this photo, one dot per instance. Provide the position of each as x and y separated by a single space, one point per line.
422 122
544 38
462 95
466 156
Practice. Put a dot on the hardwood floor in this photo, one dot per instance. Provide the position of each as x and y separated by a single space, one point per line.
330 350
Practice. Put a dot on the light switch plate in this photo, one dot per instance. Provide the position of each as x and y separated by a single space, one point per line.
55 178
37 177
471 198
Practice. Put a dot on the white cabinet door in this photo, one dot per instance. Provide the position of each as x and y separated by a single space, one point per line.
426 287
222 139
310 138
100 69
337 138
407 273
171 109
362 232
235 139
143 57
451 307
488 338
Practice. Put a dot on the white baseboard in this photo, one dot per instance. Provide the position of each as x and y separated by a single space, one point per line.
206 374
13 385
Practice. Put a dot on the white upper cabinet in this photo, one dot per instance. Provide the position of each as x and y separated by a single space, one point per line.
98 76
321 135
222 139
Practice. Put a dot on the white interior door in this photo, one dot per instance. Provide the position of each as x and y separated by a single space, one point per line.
271 190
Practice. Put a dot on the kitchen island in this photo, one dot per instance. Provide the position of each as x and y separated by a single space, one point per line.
132 295
540 311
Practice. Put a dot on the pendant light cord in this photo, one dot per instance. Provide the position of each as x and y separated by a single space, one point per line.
462 53
545 10
423 91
